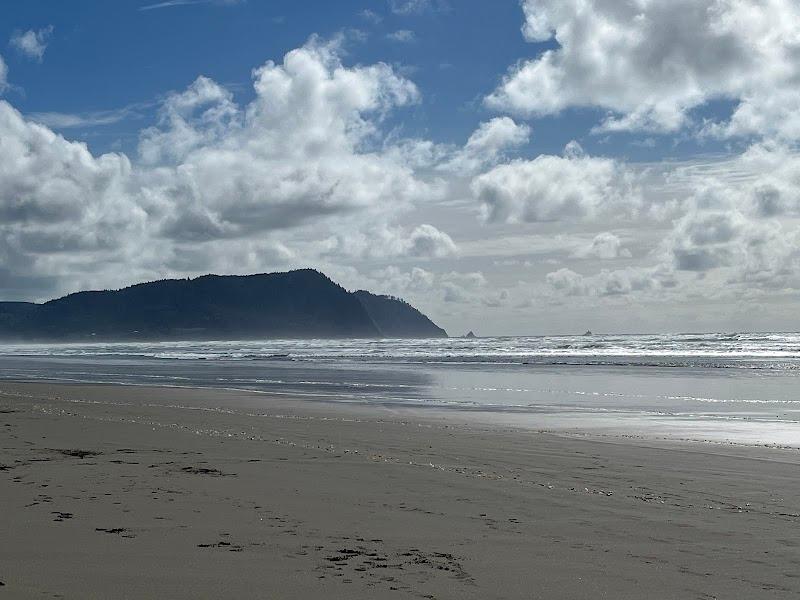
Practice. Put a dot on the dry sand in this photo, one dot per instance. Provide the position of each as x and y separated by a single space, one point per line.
125 492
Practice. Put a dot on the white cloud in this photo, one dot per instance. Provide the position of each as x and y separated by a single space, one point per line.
747 226
45 179
427 241
418 153
494 136
487 145
61 209
402 36
774 190
704 240
416 7
218 184
3 75
554 188
98 118
463 288
400 283
427 288
735 233
497 299
621 282
605 246
171 3
752 253
199 116
384 241
771 113
300 150
568 282
650 62
371 16
315 171
32 43
738 230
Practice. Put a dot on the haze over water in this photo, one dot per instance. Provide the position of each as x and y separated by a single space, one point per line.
739 387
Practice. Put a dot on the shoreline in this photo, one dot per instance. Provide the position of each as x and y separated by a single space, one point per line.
202 493
477 415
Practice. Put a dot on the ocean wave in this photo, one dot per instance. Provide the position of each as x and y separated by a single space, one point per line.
765 351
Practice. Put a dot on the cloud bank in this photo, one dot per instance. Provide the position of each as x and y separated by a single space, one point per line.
213 178
649 63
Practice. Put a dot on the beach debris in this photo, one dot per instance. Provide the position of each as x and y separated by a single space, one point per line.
112 530
77 453
222 544
121 531
204 471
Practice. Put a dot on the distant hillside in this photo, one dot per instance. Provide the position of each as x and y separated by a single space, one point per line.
397 318
297 304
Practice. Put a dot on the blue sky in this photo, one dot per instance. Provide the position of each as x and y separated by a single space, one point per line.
526 165
108 56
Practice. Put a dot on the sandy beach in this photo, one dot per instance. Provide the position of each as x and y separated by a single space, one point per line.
135 492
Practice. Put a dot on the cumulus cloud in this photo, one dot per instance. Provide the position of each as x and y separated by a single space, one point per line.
605 246
427 241
487 145
497 299
651 62
60 205
384 241
426 287
399 283
32 43
771 113
736 230
214 178
300 150
199 116
607 283
775 189
730 227
44 179
752 252
463 288
572 187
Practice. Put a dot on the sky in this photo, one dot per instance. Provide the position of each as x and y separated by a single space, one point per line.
509 167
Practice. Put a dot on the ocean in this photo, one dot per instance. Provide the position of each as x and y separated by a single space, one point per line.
738 388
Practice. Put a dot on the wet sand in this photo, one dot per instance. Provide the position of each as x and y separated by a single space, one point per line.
134 492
